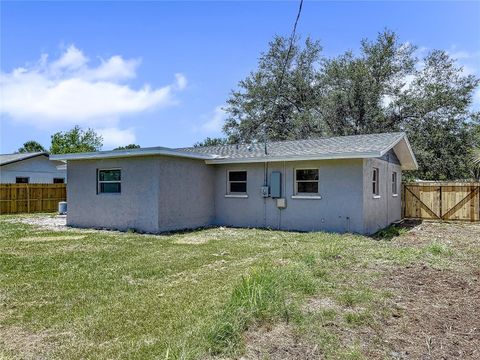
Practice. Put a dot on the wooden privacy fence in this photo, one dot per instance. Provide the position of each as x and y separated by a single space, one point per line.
30 198
442 200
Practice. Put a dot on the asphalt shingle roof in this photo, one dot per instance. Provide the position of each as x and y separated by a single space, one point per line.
353 145
340 147
10 158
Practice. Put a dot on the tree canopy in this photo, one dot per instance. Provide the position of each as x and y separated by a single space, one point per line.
75 140
382 88
31 146
127 147
211 142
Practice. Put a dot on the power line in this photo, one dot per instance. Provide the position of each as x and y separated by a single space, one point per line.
284 68
290 47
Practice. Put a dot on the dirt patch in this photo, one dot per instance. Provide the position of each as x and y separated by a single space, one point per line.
460 235
436 314
318 304
277 341
51 238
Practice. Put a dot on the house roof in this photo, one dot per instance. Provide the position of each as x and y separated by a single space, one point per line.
340 147
6 159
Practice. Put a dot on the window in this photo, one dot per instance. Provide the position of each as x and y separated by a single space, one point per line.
22 180
58 180
237 182
306 181
394 184
376 182
109 181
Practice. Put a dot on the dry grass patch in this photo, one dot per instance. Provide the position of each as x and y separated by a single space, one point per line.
52 238
278 342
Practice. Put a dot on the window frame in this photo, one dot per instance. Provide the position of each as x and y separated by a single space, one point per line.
58 178
230 193
394 183
376 182
302 195
22 177
99 182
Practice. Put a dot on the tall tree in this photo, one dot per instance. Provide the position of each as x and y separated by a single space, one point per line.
75 140
31 146
437 115
277 100
383 88
127 147
355 91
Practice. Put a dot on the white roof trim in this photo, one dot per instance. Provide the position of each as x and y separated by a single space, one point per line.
130 153
404 153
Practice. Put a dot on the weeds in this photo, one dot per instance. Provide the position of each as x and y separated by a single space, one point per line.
390 232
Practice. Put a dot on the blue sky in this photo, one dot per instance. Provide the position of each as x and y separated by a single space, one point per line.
158 73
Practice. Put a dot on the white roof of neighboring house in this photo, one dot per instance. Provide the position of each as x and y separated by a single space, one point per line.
339 147
6 159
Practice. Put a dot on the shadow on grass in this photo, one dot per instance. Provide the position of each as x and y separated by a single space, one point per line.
395 230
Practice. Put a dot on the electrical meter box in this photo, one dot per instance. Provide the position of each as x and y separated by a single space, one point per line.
265 191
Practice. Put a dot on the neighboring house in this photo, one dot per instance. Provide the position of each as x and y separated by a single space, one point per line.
340 184
33 168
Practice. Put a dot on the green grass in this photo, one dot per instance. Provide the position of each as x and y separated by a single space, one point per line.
90 294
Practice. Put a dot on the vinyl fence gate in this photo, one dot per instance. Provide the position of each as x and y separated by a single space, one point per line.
441 200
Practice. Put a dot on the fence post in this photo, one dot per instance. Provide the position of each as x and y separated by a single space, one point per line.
441 211
28 199
14 193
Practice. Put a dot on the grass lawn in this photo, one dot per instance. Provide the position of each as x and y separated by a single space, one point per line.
227 293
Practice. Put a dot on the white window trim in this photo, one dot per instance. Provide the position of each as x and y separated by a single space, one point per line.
300 195
376 194
395 184
108 181
236 194
307 197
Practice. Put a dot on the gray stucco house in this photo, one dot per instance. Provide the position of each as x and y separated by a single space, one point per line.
31 168
339 184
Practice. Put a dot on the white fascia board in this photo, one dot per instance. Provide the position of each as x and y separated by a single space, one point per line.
372 154
403 137
125 154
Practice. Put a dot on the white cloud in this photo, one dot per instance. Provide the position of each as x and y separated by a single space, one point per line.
115 68
114 137
215 122
68 91
181 81
72 59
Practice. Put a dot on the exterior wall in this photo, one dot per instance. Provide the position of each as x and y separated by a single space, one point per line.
185 194
166 193
39 169
339 209
158 194
135 207
382 211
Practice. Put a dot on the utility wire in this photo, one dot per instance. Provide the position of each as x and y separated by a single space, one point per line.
284 68
290 47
